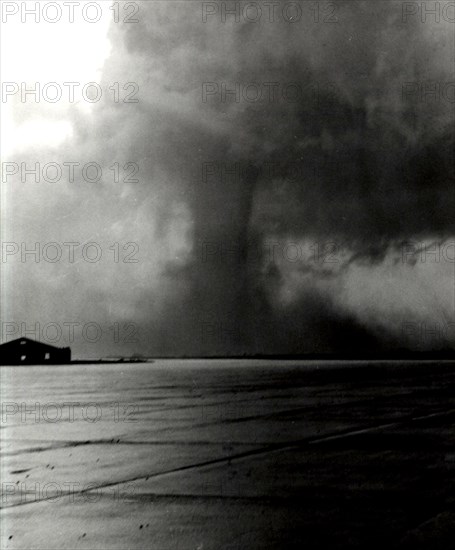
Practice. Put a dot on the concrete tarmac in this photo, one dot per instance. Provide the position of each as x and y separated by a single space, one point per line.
228 455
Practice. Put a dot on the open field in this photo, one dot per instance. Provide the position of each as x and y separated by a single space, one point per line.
228 455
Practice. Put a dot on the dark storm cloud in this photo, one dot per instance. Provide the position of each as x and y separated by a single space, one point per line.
374 163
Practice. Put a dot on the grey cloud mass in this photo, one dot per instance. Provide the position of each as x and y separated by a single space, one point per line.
372 167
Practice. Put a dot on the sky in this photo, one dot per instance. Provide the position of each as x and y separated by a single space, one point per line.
246 183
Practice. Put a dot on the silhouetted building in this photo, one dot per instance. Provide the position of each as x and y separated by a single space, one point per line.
24 351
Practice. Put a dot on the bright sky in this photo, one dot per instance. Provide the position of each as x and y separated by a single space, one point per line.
48 52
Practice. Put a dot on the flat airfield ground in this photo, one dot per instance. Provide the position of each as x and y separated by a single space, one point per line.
228 455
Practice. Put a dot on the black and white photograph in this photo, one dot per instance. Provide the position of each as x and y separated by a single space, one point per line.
227 275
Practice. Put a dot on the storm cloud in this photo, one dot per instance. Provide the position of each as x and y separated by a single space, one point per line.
289 173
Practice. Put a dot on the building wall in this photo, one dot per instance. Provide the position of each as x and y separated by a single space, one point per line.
32 353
